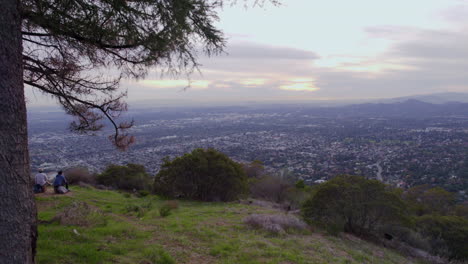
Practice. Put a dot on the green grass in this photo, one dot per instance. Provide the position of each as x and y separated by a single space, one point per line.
131 230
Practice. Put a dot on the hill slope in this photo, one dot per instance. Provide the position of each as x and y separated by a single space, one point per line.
95 226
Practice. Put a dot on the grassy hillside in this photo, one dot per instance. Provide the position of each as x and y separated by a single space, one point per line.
112 227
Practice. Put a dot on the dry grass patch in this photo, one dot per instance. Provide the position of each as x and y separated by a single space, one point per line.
79 214
278 223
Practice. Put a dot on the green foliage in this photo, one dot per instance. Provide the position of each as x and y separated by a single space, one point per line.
255 169
446 233
206 175
423 199
157 255
354 204
130 177
165 210
300 184
167 207
143 193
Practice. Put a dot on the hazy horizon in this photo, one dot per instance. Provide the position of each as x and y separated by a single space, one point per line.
322 51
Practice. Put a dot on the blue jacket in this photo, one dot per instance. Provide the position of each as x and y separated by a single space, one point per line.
60 180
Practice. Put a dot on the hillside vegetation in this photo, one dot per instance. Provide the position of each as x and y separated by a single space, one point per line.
98 226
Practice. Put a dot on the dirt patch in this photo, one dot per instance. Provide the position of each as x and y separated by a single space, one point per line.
49 191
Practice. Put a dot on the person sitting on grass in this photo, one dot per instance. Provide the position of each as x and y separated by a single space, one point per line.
60 184
40 182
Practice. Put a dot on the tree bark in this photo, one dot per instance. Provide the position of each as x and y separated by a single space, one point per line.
18 227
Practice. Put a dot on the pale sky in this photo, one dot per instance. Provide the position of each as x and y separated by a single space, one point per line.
325 50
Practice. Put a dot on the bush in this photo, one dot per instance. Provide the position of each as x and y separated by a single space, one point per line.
448 235
205 175
354 204
143 193
408 236
79 174
270 188
424 199
165 210
167 207
255 169
130 177
278 224
156 255
138 209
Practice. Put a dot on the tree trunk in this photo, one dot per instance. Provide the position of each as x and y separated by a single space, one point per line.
17 207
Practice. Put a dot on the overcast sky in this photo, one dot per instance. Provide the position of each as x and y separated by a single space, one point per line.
325 50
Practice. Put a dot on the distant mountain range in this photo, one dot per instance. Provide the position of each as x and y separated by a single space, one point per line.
437 98
410 108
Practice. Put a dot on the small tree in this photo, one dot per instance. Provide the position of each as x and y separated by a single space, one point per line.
130 177
206 175
354 204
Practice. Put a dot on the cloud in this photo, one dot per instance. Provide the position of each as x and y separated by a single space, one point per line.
256 51
299 85
418 61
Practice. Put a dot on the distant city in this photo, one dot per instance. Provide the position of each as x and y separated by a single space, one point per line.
404 143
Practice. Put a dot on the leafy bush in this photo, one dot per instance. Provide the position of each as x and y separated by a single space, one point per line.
165 210
255 169
300 184
424 199
143 193
270 188
130 177
408 236
167 207
278 224
448 234
137 209
206 175
354 204
157 255
79 174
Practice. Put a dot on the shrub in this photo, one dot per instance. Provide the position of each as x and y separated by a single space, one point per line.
205 175
130 177
300 184
79 174
157 255
135 208
165 210
143 193
407 236
255 169
445 232
424 199
278 224
354 204
270 188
